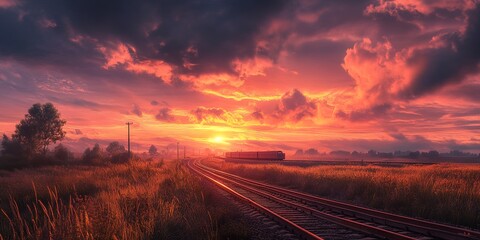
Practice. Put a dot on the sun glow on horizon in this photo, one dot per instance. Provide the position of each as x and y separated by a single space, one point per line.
218 140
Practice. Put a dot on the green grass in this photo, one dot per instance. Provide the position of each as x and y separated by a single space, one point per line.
447 193
134 201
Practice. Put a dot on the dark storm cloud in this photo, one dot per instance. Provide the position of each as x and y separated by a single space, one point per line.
25 36
449 64
194 36
328 15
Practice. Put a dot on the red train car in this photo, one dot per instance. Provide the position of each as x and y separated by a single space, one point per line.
265 155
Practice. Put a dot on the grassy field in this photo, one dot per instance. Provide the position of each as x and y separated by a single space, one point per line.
133 201
447 193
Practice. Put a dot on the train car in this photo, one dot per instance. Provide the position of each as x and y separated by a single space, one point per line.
265 155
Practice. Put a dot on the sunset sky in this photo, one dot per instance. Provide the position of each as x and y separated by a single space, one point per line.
248 74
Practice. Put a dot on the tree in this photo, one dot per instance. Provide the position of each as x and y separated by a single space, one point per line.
311 151
115 148
11 147
299 152
41 127
62 153
153 151
94 155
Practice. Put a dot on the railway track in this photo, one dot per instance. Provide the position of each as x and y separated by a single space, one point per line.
312 217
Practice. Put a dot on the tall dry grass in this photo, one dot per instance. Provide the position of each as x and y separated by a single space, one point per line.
447 193
134 201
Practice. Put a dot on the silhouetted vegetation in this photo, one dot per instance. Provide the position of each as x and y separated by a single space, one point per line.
28 146
129 201
40 127
94 155
63 154
115 148
432 155
153 151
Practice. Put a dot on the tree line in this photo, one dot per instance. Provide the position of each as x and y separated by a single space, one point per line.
43 126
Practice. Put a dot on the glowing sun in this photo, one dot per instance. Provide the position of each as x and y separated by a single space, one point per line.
218 139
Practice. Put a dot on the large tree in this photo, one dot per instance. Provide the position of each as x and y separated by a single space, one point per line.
41 127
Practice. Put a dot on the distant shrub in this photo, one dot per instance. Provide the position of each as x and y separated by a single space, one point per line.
62 154
115 148
94 155
12 154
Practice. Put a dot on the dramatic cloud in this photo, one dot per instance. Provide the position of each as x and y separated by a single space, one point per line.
379 72
396 7
295 106
448 64
386 76
208 114
205 115
165 115
266 74
152 37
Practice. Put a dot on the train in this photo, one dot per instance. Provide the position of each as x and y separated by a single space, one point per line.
264 155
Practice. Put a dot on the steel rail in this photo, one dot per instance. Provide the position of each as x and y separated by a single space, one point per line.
305 234
361 227
410 224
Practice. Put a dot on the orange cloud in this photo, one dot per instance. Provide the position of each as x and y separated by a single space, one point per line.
424 7
121 55
378 70
205 115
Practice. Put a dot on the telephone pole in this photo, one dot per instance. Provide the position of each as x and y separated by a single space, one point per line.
178 156
184 152
129 153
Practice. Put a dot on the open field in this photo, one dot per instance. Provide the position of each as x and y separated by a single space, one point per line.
447 193
132 201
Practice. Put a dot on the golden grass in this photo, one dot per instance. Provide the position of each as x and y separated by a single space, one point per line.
447 193
134 201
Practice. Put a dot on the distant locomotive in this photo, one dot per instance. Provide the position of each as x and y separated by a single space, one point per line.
265 155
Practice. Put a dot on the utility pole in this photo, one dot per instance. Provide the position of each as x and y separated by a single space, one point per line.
184 152
178 156
129 153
